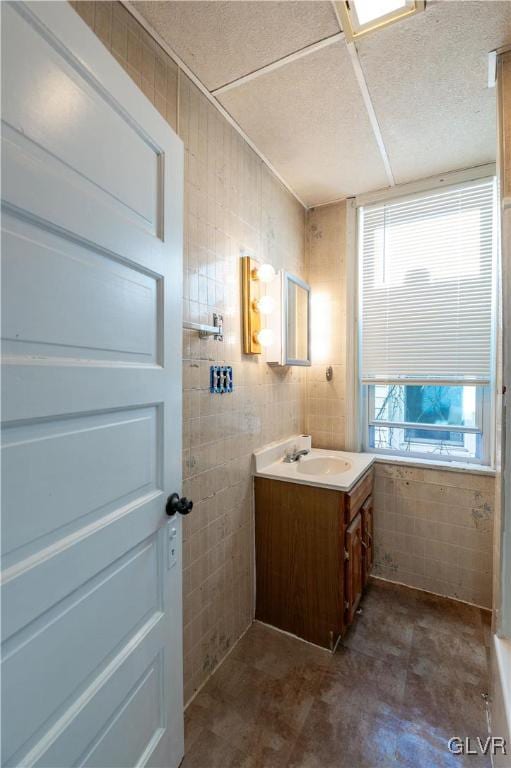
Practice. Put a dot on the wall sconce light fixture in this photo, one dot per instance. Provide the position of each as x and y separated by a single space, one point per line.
263 272
265 305
265 337
255 305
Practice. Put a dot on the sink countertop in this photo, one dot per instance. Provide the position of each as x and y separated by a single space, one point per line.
269 462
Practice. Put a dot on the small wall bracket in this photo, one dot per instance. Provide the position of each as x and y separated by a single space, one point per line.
216 330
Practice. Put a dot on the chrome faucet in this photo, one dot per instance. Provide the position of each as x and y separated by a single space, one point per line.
290 458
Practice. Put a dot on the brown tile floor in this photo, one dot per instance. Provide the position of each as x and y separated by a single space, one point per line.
408 676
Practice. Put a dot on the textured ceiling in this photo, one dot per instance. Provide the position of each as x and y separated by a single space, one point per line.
310 115
221 41
426 77
428 83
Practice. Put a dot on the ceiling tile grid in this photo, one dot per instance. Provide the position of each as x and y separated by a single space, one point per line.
310 118
426 79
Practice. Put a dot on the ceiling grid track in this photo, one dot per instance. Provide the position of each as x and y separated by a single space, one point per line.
291 57
366 96
364 90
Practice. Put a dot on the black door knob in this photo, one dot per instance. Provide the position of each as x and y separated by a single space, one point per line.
177 504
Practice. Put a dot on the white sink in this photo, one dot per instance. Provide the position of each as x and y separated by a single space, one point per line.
322 466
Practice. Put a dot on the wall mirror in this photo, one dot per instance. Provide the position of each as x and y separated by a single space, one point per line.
296 321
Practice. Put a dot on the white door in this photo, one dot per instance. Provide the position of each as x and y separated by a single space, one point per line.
92 198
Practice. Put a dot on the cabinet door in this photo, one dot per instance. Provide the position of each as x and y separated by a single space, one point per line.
353 555
299 567
367 540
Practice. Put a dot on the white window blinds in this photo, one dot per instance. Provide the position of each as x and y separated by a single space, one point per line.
427 275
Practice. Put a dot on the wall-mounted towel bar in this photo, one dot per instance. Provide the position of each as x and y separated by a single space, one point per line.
216 330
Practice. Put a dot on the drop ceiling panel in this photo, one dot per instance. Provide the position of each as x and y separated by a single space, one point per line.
309 120
222 41
427 77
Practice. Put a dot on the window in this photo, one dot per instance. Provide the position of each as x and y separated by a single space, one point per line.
427 309
445 422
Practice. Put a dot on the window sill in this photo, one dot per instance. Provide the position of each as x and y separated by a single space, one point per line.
447 466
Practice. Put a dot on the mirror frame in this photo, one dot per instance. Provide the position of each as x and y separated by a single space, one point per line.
289 278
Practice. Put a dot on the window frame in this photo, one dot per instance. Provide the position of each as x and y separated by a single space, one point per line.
357 437
484 403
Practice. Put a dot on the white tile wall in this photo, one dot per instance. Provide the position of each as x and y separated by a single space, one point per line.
434 530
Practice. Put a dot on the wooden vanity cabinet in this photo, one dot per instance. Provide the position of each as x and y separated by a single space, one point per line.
312 559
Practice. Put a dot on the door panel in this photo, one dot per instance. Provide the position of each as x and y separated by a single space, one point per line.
367 539
100 706
119 450
35 583
119 741
31 663
48 100
107 310
92 185
353 567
